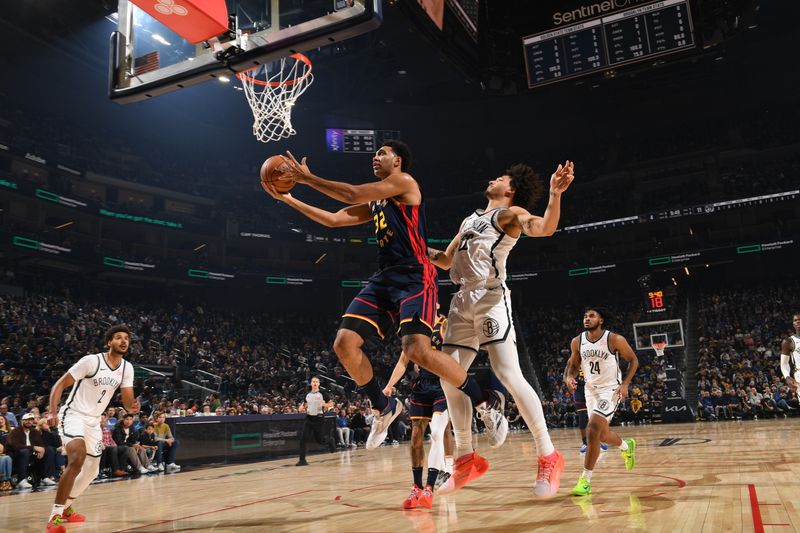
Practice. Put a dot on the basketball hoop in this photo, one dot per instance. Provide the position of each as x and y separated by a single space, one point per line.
272 90
659 348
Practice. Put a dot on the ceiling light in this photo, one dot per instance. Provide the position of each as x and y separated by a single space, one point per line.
224 79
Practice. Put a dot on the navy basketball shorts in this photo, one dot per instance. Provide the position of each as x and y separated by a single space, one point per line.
402 296
427 398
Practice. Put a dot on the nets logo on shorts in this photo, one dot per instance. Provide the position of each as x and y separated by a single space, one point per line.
491 327
602 405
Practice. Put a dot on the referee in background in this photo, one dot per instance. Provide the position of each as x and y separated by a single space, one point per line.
316 404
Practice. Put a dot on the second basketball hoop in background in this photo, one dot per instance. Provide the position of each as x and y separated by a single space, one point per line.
272 175
272 90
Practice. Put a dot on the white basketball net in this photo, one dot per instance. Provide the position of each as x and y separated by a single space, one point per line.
272 91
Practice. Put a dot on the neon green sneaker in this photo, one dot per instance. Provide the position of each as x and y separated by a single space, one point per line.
630 454
582 488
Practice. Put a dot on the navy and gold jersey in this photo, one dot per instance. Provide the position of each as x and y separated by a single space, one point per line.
437 338
400 233
580 390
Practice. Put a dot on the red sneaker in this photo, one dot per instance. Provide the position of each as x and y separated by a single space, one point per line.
71 516
425 498
548 475
54 525
413 499
468 467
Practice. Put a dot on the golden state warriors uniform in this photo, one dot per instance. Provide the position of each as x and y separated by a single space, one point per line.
427 396
403 291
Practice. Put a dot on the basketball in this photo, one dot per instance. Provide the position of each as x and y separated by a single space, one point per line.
272 176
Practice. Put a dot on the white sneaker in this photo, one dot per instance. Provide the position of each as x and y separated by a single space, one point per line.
494 420
160 467
48 482
172 467
24 485
380 425
143 470
152 468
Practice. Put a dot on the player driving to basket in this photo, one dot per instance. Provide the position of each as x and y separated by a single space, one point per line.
403 291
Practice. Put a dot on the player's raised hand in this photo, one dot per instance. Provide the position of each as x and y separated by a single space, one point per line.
571 384
561 179
297 170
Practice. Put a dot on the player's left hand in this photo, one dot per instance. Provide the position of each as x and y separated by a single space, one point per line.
134 407
561 179
297 170
622 392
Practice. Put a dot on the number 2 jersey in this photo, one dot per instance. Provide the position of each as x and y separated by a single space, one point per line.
483 250
599 364
95 384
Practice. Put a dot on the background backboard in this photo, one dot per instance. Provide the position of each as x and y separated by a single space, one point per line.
148 59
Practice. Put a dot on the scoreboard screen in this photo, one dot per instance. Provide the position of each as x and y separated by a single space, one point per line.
357 141
602 43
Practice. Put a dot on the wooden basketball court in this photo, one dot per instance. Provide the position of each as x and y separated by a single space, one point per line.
726 476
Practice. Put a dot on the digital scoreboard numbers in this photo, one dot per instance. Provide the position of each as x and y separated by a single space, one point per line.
565 52
658 301
357 141
607 42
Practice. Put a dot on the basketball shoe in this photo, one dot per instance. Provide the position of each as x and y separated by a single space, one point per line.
603 447
71 516
468 467
413 499
491 414
582 487
54 525
381 423
441 478
425 498
548 475
629 455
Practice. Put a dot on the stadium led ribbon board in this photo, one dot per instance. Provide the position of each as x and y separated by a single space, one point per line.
205 274
39 246
127 265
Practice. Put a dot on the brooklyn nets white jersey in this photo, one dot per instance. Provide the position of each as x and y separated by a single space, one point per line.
600 366
482 252
795 354
95 384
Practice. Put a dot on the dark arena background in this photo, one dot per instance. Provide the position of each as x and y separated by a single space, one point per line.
130 194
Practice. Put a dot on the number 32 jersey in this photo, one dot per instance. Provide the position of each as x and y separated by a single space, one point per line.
599 364
95 384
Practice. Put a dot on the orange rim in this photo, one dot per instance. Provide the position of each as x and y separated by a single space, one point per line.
298 57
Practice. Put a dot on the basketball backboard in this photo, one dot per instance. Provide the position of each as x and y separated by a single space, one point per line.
148 59
662 331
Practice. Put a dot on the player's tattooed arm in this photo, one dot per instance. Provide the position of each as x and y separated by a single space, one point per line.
546 225
444 259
